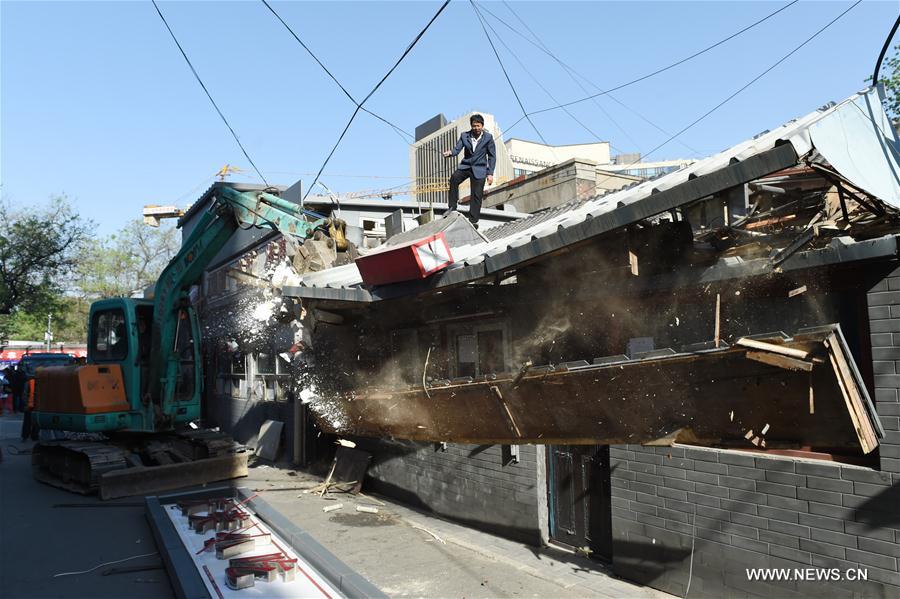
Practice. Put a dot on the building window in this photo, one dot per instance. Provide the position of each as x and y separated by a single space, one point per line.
265 364
238 375
479 350
270 379
404 364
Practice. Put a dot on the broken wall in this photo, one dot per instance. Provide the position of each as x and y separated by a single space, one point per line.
742 510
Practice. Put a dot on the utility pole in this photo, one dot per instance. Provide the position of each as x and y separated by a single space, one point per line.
48 334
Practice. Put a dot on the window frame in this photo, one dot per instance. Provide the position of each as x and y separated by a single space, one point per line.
456 330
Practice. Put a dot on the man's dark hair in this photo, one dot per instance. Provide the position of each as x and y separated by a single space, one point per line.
476 118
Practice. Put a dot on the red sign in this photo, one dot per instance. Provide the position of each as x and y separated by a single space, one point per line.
14 355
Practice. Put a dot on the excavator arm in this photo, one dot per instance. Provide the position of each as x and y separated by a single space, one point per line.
229 211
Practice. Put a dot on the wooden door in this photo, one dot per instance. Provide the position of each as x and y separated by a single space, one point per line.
580 499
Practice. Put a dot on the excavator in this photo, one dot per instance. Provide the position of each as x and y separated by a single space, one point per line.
142 384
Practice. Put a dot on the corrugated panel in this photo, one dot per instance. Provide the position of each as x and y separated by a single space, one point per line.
575 221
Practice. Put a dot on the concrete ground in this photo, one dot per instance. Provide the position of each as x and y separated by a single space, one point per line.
40 539
407 553
402 551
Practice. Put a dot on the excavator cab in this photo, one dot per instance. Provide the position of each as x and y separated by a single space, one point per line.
110 392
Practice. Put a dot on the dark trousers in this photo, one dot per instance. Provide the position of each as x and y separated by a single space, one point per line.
29 426
477 193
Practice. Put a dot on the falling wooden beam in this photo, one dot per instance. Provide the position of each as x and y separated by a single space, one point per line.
780 361
715 396
773 348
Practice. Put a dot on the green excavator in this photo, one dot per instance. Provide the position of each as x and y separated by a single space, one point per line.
142 384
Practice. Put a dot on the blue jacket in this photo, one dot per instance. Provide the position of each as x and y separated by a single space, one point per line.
480 159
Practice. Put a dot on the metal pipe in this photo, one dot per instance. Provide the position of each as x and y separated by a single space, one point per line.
769 188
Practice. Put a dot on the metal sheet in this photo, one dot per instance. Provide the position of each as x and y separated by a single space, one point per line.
859 142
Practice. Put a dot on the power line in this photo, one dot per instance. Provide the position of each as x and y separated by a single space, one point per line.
887 43
331 75
397 129
572 73
569 71
669 67
208 95
503 68
754 80
539 84
374 89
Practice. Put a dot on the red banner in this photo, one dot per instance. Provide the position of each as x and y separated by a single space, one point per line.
14 355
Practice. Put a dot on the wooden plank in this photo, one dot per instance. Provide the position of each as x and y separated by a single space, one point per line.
863 441
780 361
512 421
797 291
855 399
771 347
718 319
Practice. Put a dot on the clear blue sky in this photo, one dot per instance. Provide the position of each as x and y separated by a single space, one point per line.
97 102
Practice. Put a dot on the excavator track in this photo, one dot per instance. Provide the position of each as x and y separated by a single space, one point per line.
139 465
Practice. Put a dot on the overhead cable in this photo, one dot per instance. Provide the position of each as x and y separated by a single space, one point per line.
668 67
755 79
397 129
887 43
331 75
208 95
539 84
374 89
568 70
505 74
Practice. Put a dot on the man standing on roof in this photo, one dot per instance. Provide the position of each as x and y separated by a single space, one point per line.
477 165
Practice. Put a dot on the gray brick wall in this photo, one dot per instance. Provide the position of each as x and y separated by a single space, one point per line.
740 510
474 484
242 418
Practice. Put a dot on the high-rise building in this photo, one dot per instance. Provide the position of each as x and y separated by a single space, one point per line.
518 159
431 171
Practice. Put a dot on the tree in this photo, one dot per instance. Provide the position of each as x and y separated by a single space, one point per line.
126 262
38 251
52 265
69 321
890 77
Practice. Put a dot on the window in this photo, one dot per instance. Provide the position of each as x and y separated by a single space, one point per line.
109 336
466 355
184 348
405 356
265 364
238 374
479 350
264 386
269 378
490 351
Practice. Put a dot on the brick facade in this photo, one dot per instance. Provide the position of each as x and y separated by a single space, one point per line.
735 510
477 485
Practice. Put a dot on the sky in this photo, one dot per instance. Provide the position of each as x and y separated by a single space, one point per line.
97 103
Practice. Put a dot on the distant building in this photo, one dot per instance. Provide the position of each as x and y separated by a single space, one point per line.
518 158
630 164
529 157
429 169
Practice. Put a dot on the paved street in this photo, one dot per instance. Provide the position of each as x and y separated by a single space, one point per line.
40 540
395 549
